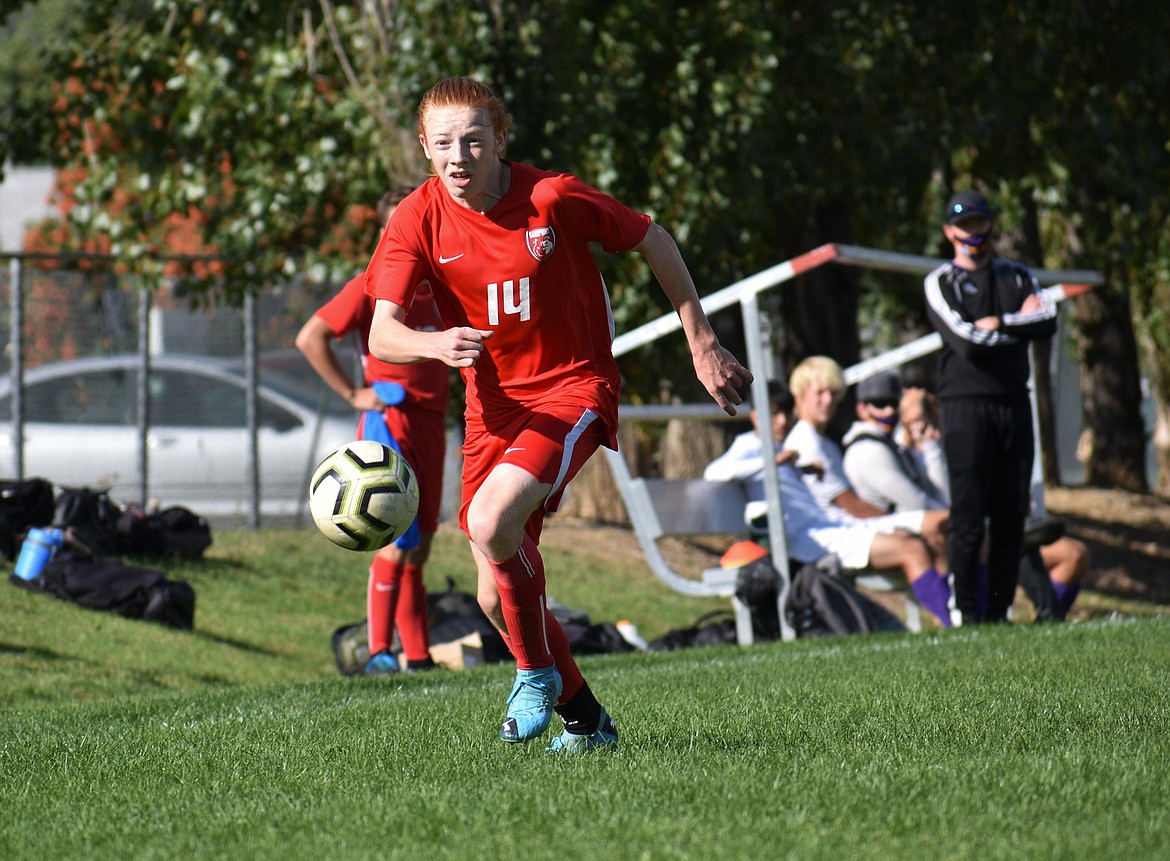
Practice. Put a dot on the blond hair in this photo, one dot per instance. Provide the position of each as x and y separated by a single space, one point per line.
816 369
462 92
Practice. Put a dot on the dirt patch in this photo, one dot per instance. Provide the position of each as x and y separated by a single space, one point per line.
1128 535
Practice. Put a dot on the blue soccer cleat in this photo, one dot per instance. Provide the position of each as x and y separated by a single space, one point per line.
382 664
530 705
605 737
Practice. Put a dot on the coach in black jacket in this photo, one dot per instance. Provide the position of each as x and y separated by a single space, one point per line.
987 311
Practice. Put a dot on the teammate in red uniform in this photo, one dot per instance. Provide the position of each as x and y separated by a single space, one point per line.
396 595
507 248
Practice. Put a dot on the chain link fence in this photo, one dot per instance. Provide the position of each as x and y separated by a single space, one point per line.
106 383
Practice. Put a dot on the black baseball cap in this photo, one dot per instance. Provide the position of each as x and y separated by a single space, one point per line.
882 387
967 204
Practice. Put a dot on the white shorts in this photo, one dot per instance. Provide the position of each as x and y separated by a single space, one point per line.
851 543
910 520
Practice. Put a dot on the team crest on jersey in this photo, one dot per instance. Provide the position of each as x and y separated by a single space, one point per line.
541 242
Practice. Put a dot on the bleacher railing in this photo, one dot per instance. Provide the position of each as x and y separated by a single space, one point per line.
1060 284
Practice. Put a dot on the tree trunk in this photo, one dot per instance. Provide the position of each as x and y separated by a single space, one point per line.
1162 446
1113 444
1158 362
689 446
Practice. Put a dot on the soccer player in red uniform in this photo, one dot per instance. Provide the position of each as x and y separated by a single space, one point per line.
396 595
506 248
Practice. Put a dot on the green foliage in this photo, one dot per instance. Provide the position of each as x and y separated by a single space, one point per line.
29 33
232 114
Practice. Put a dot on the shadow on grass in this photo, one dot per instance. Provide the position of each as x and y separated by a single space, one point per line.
16 649
1128 561
233 643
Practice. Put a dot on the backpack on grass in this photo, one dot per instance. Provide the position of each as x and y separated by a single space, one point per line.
711 629
24 503
822 603
174 531
90 516
106 528
108 584
757 586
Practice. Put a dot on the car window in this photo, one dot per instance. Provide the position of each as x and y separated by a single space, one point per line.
186 399
288 373
100 397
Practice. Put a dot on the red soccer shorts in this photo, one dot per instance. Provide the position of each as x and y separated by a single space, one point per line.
552 445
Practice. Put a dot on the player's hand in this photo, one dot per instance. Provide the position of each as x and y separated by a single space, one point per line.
989 324
1032 302
364 398
788 455
461 347
722 376
813 467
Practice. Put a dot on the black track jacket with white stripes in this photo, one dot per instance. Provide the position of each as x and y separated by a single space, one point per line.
975 362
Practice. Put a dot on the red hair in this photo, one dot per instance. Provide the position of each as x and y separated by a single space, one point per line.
461 92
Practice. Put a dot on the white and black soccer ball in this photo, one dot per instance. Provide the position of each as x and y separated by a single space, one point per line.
363 495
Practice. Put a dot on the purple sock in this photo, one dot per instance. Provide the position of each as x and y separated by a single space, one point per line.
934 594
1066 593
981 589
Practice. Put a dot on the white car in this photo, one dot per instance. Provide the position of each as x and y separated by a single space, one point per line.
81 429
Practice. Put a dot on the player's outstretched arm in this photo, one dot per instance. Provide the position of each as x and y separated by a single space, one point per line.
315 340
391 340
721 373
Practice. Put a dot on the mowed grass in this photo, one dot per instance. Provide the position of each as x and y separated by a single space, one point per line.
122 739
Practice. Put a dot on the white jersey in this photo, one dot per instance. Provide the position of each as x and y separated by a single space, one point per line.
815 447
809 531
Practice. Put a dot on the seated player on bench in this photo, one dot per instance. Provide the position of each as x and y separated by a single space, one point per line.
810 532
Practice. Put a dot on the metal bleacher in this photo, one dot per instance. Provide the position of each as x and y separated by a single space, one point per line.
661 508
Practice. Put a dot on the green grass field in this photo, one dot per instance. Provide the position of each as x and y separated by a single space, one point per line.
123 739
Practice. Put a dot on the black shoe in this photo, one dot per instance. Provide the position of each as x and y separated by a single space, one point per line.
1042 531
421 666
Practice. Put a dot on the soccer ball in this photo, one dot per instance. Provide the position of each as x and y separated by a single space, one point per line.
363 495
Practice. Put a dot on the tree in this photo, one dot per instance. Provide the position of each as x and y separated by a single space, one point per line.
30 32
227 114
753 131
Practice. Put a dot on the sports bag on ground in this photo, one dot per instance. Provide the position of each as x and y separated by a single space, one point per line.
716 628
822 602
174 531
91 516
102 583
757 586
24 503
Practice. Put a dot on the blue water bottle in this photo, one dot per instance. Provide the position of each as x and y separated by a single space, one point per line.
36 551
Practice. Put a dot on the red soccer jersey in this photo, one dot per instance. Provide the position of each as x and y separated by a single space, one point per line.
525 271
427 384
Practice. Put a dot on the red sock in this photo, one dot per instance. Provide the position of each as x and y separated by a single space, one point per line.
412 617
558 643
382 601
520 581
535 637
